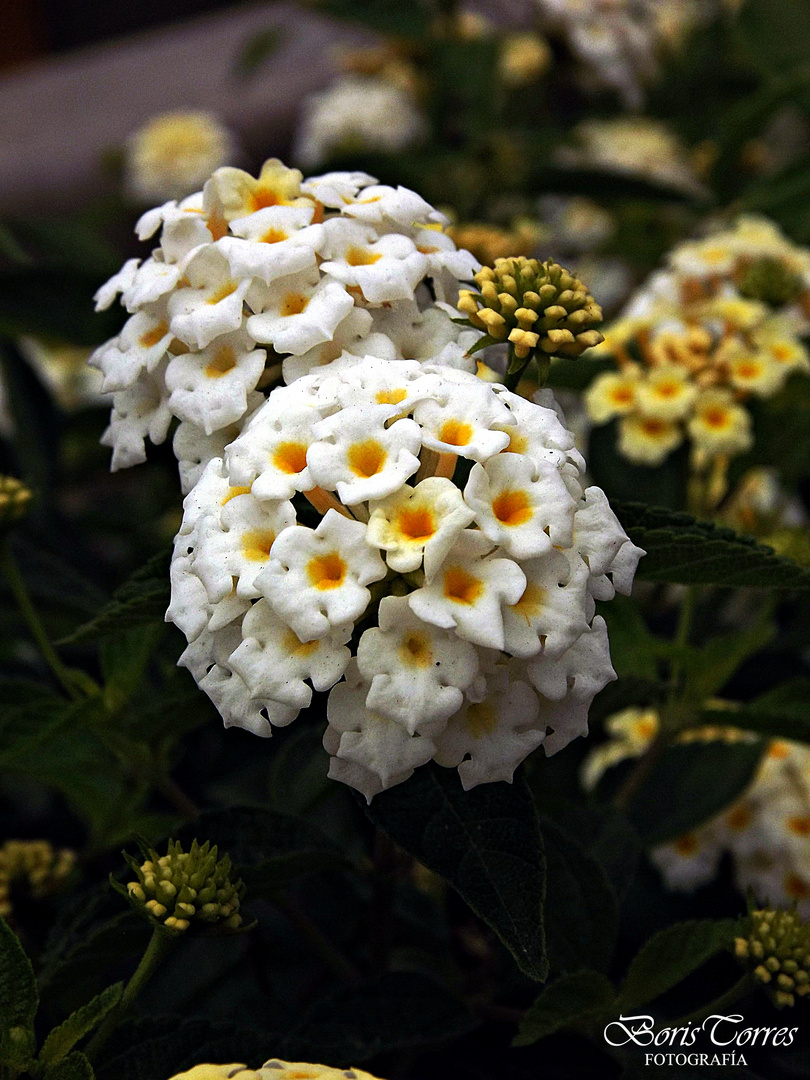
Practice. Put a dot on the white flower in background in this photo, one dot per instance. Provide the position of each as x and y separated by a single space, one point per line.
636 146
357 113
766 830
63 370
173 154
255 279
459 609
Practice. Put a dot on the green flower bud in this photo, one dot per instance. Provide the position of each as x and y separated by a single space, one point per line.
774 945
185 889
769 279
533 305
15 498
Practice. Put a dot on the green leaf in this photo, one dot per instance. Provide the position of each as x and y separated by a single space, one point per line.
690 784
634 651
18 999
141 600
581 910
74 1067
269 849
390 1014
681 549
780 713
399 18
124 658
582 996
54 304
669 956
486 842
63 1038
775 35
710 666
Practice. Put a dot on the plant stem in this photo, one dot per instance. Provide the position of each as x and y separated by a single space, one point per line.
320 944
741 989
381 919
639 774
160 945
21 595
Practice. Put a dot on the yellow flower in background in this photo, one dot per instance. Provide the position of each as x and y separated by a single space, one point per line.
173 154
719 425
666 394
33 866
646 440
273 1070
523 59
613 394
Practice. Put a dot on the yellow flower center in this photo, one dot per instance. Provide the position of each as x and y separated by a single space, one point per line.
416 523
391 397
366 458
273 236
687 845
357 256
232 493
416 651
455 432
481 719
257 543
460 586
153 336
512 508
223 361
293 304
532 601
222 292
326 571
290 457
296 647
800 825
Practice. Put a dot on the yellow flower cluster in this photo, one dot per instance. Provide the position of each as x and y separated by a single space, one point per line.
34 866
273 1070
533 305
776 946
15 498
687 373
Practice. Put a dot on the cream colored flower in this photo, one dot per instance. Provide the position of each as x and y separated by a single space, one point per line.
173 154
719 426
647 440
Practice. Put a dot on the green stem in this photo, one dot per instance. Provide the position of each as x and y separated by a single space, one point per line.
29 613
741 989
160 944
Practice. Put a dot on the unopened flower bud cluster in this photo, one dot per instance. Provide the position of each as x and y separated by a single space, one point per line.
766 830
722 326
533 305
183 888
776 947
34 867
15 499
255 279
275 1069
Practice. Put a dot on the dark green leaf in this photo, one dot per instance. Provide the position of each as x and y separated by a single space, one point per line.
54 304
669 956
74 1067
782 712
581 910
268 848
775 35
634 651
155 1048
683 549
124 658
582 996
389 1014
710 666
400 18
18 998
486 842
63 1038
691 783
140 600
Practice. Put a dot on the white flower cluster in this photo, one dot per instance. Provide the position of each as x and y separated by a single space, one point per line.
618 42
766 831
721 325
419 542
255 278
357 112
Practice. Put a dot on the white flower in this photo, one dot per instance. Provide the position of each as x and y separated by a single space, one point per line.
173 154
139 413
274 663
212 302
416 671
272 243
316 578
417 523
380 204
211 388
336 189
522 506
298 312
369 751
194 449
384 268
106 296
553 611
356 110
463 420
469 590
139 347
359 453
488 739
603 543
